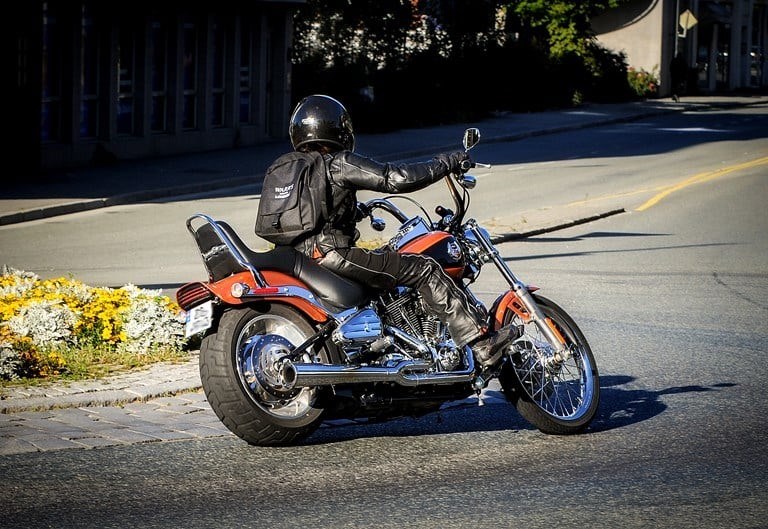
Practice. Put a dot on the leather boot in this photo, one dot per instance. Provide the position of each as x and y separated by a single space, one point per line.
490 348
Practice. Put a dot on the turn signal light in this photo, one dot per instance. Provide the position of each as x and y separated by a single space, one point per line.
239 290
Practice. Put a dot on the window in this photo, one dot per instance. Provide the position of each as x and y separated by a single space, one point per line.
246 68
159 77
89 75
189 77
126 72
757 51
218 99
50 111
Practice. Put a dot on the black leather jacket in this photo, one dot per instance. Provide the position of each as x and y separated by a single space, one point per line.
349 172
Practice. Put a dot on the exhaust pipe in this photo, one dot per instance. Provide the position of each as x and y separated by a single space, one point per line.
405 373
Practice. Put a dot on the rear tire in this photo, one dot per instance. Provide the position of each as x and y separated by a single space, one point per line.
243 389
563 401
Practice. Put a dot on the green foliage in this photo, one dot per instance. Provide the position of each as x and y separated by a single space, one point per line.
400 64
565 24
334 33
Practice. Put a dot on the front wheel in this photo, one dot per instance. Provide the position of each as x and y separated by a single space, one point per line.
240 373
557 399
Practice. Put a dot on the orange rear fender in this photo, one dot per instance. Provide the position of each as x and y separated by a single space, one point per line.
278 290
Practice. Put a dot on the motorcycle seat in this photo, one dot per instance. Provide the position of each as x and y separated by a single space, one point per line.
331 289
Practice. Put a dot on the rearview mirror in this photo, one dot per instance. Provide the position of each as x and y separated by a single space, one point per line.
471 138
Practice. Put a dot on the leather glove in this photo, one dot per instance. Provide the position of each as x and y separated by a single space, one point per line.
361 211
453 160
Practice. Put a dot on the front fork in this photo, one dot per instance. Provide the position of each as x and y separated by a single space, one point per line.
531 311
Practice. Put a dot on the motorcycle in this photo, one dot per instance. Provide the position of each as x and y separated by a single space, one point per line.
287 344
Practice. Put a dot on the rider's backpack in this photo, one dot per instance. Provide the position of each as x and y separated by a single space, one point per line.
294 198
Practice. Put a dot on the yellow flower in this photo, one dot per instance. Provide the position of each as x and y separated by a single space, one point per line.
98 316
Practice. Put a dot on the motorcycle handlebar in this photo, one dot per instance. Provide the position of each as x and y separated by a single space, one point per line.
468 164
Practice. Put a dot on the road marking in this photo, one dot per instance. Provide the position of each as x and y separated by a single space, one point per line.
699 178
612 196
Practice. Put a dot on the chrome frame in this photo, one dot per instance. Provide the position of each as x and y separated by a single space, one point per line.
242 261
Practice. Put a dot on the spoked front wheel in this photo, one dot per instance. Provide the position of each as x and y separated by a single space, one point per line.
557 398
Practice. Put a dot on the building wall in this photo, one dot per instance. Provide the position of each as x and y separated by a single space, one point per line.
636 29
724 51
96 84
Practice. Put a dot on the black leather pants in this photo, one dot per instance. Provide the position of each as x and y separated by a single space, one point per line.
385 270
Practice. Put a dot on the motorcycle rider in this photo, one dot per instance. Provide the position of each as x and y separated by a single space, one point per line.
321 123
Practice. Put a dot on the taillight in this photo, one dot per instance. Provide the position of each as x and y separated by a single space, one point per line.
192 294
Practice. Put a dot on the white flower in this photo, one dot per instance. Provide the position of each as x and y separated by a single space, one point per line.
45 322
10 363
149 322
22 282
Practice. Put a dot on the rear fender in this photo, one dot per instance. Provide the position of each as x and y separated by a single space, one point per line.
240 289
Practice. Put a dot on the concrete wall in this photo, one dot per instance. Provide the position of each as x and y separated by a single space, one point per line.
636 29
726 50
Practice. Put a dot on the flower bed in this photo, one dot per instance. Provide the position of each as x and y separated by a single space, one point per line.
645 84
62 327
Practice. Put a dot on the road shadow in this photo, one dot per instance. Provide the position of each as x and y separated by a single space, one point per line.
167 176
619 407
535 257
593 235
649 136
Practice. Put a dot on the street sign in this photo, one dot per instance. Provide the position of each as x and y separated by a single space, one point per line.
687 20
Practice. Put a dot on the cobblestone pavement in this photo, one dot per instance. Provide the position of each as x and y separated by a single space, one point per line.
183 416
174 418
161 403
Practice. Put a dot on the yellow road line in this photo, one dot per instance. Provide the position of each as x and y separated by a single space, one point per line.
699 178
611 196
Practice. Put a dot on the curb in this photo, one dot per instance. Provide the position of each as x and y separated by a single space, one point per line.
141 385
126 198
497 239
94 399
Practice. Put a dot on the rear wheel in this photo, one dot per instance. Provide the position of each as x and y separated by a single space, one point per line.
556 399
241 375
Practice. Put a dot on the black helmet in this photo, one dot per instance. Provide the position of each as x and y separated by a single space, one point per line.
321 119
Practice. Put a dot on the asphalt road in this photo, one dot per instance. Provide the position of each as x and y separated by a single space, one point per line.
672 294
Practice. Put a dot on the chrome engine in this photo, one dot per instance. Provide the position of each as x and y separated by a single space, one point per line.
396 341
405 331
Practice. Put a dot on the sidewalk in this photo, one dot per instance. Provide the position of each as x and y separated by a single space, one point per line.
136 181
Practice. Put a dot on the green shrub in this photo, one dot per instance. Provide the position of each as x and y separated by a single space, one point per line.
643 83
